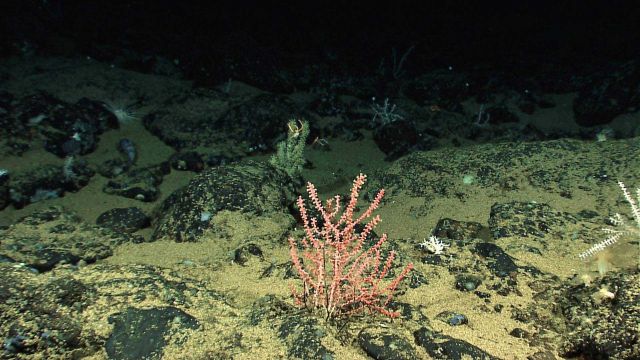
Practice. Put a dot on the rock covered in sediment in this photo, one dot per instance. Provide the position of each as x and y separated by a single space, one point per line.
248 187
127 220
55 236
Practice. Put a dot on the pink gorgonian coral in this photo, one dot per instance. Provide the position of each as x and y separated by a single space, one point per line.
340 274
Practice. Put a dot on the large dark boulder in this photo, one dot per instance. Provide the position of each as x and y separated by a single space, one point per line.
249 187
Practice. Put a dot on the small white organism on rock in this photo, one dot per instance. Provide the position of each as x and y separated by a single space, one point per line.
434 245
603 295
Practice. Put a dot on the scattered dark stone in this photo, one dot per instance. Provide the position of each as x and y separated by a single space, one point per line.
268 308
269 270
16 146
432 259
304 338
68 129
383 345
113 167
445 347
16 344
48 182
482 294
405 310
417 279
526 219
396 138
502 290
187 161
126 220
6 259
520 333
465 282
143 333
453 318
531 249
52 236
587 214
462 231
302 333
140 184
63 229
250 187
500 263
68 291
197 120
217 160
242 254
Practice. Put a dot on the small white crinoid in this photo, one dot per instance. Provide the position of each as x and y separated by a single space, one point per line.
122 112
433 245
621 227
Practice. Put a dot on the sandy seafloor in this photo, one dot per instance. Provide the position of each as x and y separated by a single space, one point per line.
211 264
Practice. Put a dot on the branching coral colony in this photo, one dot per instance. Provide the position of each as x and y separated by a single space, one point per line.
340 276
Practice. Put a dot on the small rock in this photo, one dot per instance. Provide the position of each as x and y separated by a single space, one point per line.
126 220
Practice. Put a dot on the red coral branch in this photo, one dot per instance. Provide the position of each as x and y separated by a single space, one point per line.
339 275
